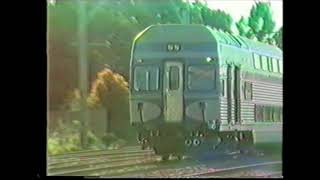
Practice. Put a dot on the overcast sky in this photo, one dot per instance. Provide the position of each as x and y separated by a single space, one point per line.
238 8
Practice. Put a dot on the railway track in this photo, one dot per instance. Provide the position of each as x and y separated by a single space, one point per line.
99 169
87 163
77 154
134 162
264 169
249 170
101 155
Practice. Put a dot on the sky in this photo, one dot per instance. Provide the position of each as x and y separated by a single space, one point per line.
238 8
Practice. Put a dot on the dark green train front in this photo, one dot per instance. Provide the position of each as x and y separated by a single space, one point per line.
187 85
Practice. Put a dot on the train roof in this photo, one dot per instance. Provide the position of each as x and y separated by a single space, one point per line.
201 33
242 42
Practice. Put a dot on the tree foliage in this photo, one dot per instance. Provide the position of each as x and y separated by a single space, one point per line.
107 89
110 90
261 20
260 25
278 38
113 24
62 58
243 28
215 18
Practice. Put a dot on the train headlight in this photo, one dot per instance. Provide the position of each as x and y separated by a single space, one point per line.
209 59
177 47
196 142
188 142
139 60
170 47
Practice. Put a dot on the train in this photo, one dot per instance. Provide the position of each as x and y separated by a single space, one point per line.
195 87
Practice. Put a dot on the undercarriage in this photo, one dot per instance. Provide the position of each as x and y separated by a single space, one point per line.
180 142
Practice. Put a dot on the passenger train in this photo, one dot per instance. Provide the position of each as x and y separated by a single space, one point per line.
194 87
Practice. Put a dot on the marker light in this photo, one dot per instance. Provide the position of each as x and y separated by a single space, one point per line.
176 47
209 59
139 60
170 47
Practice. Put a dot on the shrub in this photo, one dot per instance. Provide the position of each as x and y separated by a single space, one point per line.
110 90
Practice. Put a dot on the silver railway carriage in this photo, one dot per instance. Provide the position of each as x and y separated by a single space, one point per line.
193 86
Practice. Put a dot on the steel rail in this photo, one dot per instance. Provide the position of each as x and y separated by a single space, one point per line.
217 172
91 162
80 153
91 156
86 171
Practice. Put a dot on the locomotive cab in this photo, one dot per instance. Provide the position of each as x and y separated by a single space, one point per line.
174 82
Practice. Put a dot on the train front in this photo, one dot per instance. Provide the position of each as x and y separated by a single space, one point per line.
174 89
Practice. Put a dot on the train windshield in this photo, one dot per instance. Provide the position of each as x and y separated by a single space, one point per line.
201 78
174 78
146 78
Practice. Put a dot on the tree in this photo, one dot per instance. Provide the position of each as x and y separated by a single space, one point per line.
243 27
112 26
62 57
260 25
214 18
278 38
110 90
261 21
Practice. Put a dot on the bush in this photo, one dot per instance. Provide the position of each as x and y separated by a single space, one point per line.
67 139
110 91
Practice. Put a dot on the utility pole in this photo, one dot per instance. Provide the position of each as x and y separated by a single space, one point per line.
83 70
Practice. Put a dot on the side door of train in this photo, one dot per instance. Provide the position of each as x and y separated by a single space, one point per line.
173 91
234 94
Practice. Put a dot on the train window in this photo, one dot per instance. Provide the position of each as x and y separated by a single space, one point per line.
266 113
201 78
275 65
281 66
256 60
146 78
276 114
153 78
247 90
223 88
281 115
272 113
270 67
258 113
174 78
140 83
264 62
